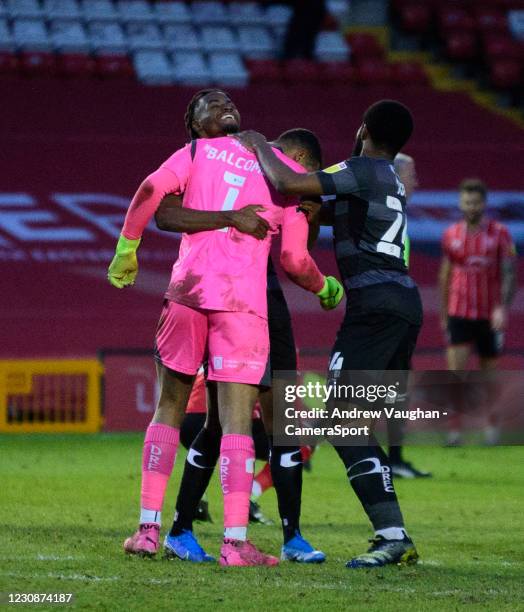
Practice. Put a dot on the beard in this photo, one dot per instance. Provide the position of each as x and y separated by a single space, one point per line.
231 128
357 149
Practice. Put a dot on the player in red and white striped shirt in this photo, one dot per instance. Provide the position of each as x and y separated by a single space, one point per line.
477 284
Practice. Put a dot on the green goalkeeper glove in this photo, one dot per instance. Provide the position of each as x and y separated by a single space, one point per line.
331 293
124 267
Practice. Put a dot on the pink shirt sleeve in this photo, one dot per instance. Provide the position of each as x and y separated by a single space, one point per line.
296 261
171 177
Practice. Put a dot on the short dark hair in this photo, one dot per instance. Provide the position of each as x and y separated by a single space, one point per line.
389 124
473 185
190 111
305 139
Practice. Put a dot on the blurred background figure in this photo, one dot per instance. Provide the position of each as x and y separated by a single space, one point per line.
303 28
477 286
405 168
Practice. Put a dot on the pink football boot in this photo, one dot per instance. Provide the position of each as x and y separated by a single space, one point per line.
239 553
144 542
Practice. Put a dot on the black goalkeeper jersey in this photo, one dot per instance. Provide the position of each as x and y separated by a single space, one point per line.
369 225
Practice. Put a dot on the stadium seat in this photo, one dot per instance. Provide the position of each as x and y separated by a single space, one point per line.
331 47
183 37
506 73
264 70
255 42
27 9
372 71
172 12
135 11
75 64
278 15
31 34
516 24
99 10
6 39
228 69
191 68
209 13
415 17
502 47
364 46
452 18
37 63
490 20
218 38
301 70
107 37
406 74
153 67
461 46
62 9
337 72
114 65
144 36
8 62
69 37
246 14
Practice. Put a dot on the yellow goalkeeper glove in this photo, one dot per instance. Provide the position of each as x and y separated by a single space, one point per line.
331 293
124 267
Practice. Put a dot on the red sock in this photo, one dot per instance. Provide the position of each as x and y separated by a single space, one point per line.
263 480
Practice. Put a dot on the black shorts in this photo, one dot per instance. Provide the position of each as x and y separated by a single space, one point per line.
487 341
194 421
375 341
282 350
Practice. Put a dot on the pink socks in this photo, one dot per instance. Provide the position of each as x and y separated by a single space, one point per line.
237 463
160 447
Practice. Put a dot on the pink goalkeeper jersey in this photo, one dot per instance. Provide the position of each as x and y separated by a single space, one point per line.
225 269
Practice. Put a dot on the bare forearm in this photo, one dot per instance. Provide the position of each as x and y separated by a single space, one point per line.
187 220
279 175
509 282
444 275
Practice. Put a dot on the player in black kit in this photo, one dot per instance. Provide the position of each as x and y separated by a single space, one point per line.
383 311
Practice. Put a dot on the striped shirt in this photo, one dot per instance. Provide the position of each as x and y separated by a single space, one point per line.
476 262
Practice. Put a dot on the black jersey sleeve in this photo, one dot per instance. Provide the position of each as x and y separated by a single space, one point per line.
347 177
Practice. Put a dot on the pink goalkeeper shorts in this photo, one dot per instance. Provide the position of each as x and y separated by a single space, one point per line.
235 344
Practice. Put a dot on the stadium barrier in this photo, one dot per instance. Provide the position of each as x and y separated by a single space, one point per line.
54 396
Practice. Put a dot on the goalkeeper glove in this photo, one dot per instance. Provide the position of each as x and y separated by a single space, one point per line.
124 267
331 293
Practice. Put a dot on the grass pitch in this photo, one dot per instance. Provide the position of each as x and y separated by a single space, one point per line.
68 502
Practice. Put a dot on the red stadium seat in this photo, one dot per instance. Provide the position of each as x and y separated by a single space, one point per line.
491 20
505 73
453 18
461 46
114 66
416 18
364 46
37 62
502 47
301 70
75 64
408 73
264 70
372 72
337 72
8 62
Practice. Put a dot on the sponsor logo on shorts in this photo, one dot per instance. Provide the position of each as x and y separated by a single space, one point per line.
218 363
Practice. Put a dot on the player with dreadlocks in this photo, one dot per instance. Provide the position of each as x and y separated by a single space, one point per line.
215 309
285 461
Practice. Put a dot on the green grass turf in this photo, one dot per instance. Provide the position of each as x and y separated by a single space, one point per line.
68 502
